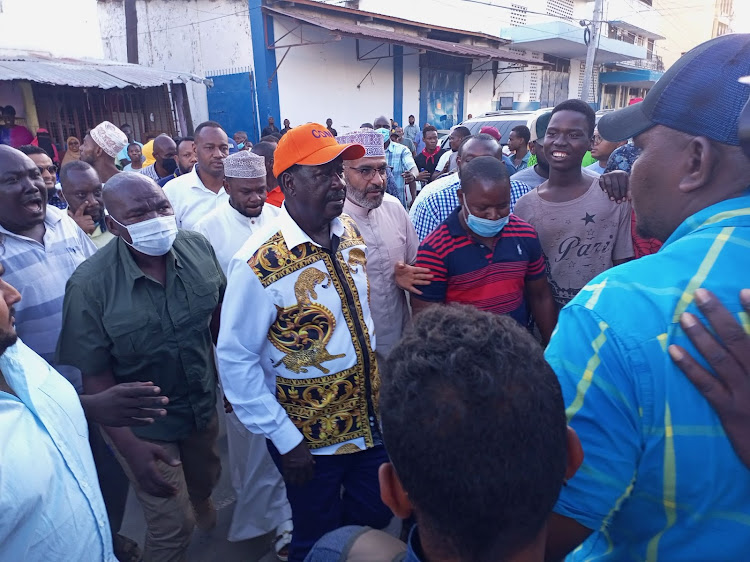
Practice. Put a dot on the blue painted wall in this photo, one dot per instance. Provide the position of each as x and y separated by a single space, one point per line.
398 84
264 60
231 102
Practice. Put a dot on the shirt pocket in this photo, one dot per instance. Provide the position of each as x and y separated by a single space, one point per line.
203 298
132 334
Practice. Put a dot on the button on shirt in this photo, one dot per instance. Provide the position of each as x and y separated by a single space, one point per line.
299 362
400 160
39 272
191 200
50 504
116 317
390 238
660 479
228 230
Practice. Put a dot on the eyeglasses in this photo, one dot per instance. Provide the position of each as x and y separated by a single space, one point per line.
51 169
368 173
597 139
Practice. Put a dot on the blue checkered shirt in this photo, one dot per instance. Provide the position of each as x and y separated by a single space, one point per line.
400 160
437 201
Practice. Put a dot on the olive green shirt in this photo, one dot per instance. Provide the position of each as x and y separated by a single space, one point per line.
117 318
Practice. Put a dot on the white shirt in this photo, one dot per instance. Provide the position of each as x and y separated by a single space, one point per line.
191 200
448 155
50 505
228 230
289 337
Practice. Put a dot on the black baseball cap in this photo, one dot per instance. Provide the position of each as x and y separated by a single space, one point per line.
701 94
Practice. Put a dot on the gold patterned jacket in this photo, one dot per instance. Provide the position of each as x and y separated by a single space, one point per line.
296 348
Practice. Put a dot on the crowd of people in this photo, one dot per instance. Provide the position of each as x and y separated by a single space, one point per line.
519 357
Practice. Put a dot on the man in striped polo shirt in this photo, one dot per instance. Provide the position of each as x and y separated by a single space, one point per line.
484 256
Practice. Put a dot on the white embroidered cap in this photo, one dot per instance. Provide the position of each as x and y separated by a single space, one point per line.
111 139
371 140
244 164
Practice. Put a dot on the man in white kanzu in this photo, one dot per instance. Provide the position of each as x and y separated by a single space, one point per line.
261 505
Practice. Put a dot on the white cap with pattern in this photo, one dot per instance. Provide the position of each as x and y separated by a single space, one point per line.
111 139
244 164
371 140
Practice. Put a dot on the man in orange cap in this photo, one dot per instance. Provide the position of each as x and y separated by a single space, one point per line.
298 363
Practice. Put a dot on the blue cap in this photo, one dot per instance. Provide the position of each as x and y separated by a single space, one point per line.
701 94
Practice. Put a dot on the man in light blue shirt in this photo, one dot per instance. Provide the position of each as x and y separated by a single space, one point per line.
50 505
660 479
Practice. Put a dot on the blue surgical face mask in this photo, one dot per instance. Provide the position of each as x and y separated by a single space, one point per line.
486 228
241 146
386 134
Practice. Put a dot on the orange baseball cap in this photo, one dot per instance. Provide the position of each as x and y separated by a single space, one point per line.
311 145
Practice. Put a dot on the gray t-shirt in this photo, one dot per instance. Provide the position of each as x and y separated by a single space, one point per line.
532 179
580 238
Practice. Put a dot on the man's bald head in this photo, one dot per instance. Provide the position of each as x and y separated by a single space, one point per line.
164 144
131 197
382 122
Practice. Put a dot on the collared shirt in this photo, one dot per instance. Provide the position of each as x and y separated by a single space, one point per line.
40 272
228 230
275 197
117 318
50 504
441 198
411 132
448 157
660 479
165 180
400 160
299 363
390 238
466 271
522 165
151 172
101 236
191 200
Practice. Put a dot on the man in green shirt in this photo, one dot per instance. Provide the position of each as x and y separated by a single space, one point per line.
145 308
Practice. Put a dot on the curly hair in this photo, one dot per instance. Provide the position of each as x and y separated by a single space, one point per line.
474 423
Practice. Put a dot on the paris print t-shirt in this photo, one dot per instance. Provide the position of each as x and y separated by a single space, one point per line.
580 238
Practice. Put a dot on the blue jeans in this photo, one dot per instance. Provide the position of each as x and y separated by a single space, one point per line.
321 505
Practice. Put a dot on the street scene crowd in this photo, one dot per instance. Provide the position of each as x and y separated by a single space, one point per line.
516 356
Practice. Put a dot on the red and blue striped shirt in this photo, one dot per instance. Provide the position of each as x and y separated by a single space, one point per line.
466 271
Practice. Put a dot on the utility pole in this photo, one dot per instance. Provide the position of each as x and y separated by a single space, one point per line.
588 73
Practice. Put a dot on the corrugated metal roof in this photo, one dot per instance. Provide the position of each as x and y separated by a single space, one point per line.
87 73
363 31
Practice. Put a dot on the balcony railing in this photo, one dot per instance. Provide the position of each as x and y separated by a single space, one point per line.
654 63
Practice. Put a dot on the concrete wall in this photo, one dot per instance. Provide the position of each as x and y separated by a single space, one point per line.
64 28
320 81
199 36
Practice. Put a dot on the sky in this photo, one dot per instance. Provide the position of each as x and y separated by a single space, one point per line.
741 23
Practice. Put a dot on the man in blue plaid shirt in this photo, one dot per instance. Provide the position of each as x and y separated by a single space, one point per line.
439 199
400 161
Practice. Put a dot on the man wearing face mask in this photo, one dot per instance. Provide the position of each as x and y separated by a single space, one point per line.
165 154
144 308
485 256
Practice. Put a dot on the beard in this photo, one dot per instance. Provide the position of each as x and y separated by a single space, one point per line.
360 198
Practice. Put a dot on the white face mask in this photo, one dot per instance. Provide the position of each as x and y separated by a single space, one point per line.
153 237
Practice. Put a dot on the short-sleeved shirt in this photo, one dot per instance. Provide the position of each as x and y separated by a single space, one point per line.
581 238
123 154
466 271
400 160
117 318
40 272
423 163
659 480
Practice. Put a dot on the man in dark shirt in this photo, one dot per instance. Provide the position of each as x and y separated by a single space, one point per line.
427 160
270 129
484 256
141 309
186 159
329 126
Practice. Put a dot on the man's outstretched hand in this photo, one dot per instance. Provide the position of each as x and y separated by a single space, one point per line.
729 390
616 185
408 277
126 404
